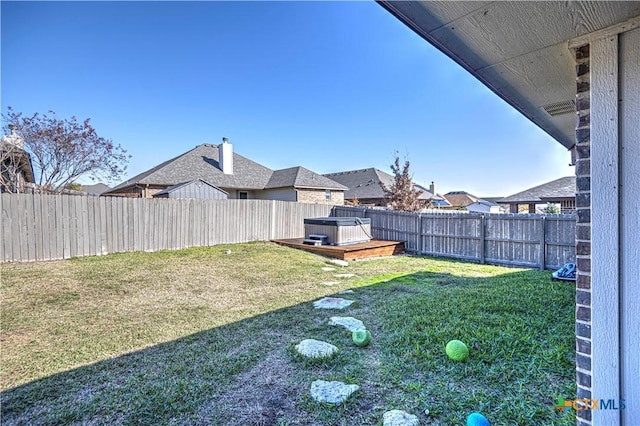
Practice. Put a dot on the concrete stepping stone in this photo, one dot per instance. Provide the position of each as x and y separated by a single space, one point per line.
312 348
344 275
350 323
399 418
332 303
328 268
332 392
331 282
339 262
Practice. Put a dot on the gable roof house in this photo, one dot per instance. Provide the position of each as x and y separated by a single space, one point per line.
459 200
462 200
572 68
16 169
237 176
364 187
560 191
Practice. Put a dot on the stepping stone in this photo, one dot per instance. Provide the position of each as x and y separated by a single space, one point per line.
312 348
339 262
332 392
331 282
328 268
346 292
349 323
399 418
344 275
332 303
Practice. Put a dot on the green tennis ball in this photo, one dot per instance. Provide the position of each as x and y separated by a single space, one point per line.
361 337
457 350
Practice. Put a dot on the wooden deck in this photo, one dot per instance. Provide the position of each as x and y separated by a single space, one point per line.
373 248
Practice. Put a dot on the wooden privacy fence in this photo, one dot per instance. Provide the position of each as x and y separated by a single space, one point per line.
38 227
542 241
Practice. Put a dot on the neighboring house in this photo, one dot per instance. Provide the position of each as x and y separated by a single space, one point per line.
16 169
95 189
196 188
239 177
364 187
572 68
462 200
459 200
560 191
484 206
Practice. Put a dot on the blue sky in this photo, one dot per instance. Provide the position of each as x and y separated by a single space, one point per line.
330 86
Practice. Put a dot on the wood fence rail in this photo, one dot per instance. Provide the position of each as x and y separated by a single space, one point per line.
36 227
540 241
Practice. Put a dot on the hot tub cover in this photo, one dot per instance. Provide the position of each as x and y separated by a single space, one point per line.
338 221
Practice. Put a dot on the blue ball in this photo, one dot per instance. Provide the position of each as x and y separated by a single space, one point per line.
477 419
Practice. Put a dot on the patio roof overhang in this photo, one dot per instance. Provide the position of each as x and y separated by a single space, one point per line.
519 49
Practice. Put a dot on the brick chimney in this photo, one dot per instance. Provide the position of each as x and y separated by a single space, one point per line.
225 154
432 188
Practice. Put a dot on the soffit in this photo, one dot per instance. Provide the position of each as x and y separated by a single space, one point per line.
518 49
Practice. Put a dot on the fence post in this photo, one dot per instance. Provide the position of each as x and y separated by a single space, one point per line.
482 237
542 243
272 224
418 233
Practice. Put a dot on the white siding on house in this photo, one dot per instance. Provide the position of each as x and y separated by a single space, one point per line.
483 208
605 344
629 225
615 232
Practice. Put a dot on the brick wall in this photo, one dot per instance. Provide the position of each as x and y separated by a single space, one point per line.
318 196
583 231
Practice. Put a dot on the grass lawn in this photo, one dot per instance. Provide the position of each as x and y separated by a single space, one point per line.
200 337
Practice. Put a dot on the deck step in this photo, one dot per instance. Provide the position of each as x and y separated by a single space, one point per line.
318 237
311 242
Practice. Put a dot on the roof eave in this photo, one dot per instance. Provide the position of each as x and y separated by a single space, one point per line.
507 94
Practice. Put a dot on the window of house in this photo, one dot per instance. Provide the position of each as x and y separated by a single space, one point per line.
243 195
327 194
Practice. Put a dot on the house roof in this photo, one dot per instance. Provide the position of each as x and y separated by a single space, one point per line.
183 184
460 198
519 49
485 203
95 189
365 184
300 177
562 188
22 157
202 163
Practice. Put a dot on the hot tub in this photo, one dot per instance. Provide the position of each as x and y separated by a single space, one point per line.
340 231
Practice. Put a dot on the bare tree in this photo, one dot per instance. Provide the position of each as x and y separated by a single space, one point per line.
402 195
63 150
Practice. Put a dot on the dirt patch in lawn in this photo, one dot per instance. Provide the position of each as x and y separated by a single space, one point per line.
262 395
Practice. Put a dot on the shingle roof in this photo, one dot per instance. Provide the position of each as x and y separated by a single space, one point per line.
564 187
460 198
95 189
362 184
300 177
202 163
365 184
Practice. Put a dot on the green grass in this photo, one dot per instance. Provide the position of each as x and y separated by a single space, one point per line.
200 337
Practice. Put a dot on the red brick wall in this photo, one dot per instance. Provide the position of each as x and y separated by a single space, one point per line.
583 231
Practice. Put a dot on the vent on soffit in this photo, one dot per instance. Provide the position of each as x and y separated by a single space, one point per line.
559 108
